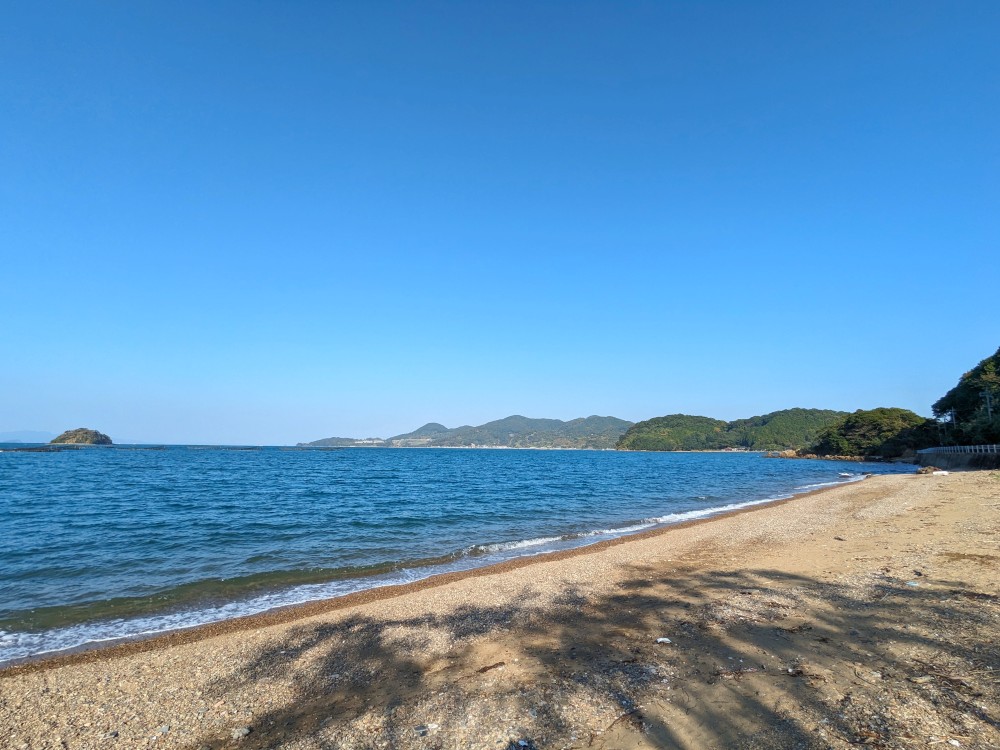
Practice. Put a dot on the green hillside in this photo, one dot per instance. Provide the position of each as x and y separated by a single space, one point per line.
968 414
676 432
885 432
789 428
521 432
429 430
971 410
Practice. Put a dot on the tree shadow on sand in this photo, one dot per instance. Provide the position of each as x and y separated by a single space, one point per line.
755 659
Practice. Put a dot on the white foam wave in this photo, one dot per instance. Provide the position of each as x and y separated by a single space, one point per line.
692 515
843 480
620 531
20 645
520 544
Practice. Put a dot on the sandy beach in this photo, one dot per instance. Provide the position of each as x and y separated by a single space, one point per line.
866 614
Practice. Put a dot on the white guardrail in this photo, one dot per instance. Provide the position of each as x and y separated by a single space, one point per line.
962 449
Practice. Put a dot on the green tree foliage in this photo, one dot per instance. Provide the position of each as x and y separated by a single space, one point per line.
675 432
967 406
789 428
884 432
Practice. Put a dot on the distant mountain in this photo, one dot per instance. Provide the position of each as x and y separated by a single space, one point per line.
336 442
513 432
520 432
430 431
789 428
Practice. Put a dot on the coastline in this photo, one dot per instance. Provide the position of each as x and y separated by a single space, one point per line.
865 611
72 637
95 651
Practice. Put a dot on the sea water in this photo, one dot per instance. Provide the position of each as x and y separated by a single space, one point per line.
99 544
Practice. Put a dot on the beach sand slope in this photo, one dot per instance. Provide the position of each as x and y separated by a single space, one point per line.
863 615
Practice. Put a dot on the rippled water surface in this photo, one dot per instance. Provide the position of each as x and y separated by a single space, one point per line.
102 543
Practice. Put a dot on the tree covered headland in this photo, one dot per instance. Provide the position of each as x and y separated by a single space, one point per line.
883 432
790 428
970 412
675 432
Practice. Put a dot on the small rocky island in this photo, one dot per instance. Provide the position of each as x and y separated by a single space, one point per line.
82 436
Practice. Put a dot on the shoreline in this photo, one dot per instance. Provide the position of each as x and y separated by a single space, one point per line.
861 614
96 651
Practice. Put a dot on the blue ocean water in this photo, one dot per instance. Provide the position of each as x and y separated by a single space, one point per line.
103 543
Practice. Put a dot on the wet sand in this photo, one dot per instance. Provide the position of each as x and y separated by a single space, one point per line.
863 614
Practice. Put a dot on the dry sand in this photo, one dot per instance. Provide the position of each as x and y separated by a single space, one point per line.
867 614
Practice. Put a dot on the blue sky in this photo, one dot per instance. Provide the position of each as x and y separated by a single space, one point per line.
271 222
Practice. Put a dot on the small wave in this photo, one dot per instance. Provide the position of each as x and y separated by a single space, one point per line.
485 549
691 515
621 530
842 480
816 485
15 646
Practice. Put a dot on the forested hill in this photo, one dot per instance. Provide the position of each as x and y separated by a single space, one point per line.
883 432
973 406
789 428
520 432
512 432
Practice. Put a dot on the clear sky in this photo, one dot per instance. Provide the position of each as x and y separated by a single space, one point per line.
266 222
